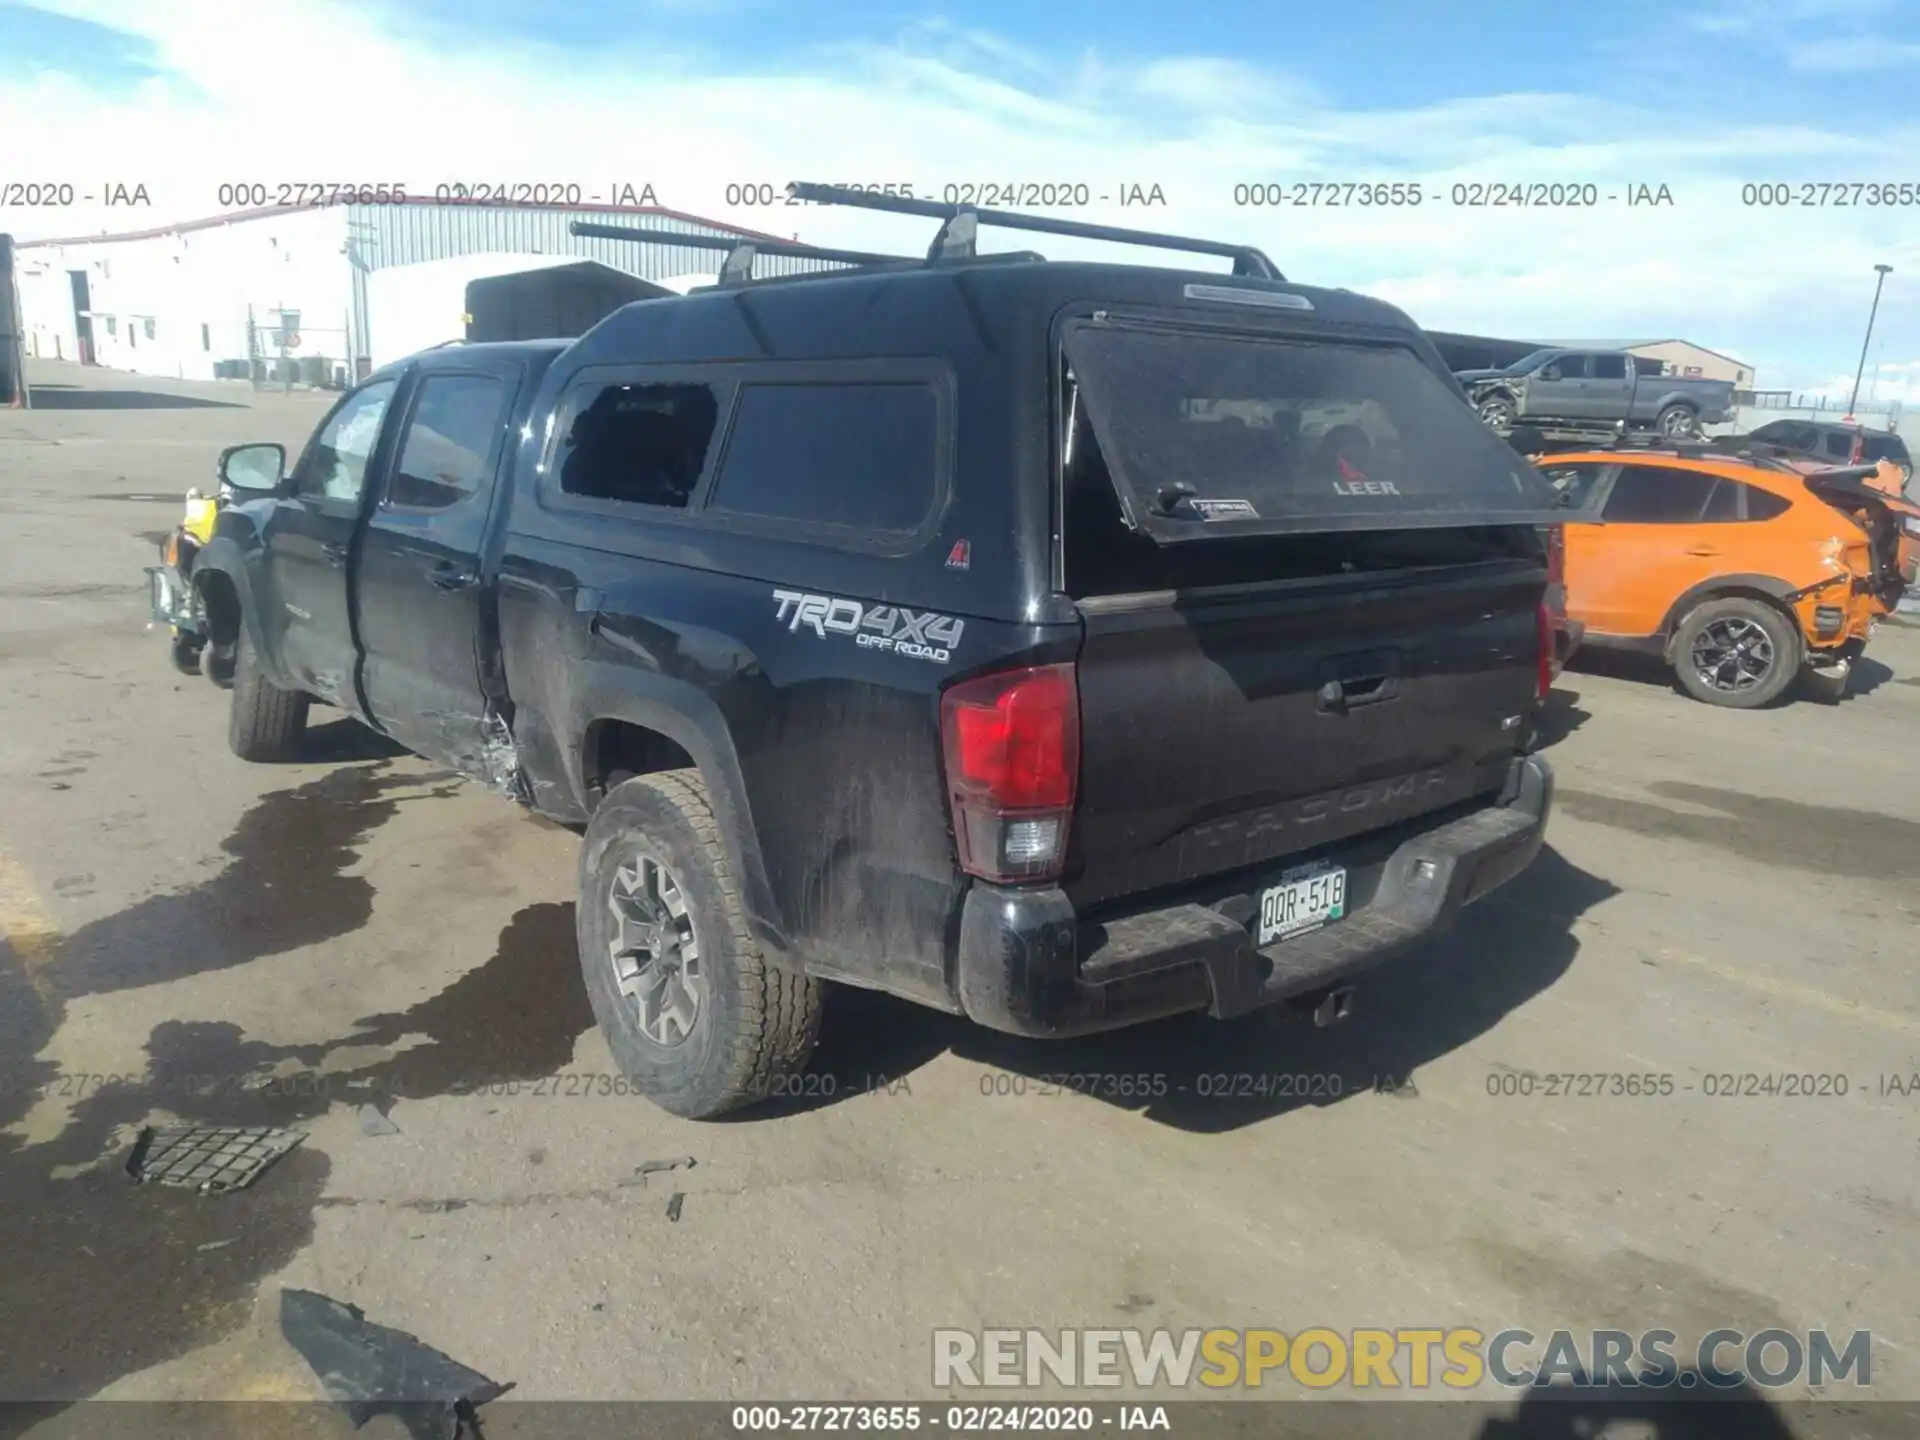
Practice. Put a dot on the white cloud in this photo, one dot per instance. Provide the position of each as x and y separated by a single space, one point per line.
1852 54
373 99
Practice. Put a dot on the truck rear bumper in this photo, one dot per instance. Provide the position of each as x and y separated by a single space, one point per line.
1028 964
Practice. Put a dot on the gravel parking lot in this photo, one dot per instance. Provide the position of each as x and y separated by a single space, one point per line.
1725 895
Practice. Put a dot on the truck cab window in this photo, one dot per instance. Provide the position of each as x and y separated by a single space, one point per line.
1612 367
335 465
641 444
449 439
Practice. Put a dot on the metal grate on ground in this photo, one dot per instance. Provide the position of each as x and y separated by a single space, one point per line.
212 1159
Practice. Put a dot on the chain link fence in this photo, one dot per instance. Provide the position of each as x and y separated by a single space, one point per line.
285 353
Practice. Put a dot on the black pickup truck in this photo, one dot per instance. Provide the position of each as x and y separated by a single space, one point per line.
1061 645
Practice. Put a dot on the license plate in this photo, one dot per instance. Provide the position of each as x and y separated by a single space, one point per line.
1305 899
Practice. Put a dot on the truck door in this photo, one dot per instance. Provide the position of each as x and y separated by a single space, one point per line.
418 591
1560 393
309 539
1608 391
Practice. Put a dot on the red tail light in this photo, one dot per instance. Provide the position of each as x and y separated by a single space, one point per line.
1012 744
1543 624
1556 554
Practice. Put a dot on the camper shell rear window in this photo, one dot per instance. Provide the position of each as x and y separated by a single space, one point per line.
1216 434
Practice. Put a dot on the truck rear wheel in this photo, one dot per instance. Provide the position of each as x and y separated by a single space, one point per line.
1736 652
695 1016
266 723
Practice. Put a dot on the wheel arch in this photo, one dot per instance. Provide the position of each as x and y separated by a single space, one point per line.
640 722
224 584
1770 590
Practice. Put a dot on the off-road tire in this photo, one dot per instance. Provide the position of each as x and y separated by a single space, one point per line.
1688 420
757 1024
266 723
1789 651
1825 686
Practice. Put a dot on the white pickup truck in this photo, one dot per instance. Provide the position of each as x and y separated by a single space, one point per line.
1596 388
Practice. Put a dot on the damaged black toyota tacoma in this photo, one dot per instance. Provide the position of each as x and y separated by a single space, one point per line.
1061 645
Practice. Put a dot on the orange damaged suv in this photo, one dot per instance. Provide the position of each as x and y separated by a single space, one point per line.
1742 572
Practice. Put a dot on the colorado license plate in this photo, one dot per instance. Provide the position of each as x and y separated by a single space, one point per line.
1305 899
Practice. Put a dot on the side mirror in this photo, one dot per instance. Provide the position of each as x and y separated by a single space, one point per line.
1551 372
254 469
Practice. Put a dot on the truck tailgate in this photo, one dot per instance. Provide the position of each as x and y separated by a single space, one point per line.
1311 587
1231 730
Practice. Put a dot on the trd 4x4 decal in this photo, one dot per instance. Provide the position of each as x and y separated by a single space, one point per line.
917 634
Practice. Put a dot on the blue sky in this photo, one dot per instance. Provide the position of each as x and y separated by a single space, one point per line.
689 94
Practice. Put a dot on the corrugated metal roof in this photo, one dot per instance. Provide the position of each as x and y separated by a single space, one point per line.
391 235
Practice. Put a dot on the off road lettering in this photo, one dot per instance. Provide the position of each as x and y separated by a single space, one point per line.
917 634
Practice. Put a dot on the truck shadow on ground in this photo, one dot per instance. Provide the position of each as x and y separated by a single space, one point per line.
344 741
1558 717
1205 1075
1739 1411
75 397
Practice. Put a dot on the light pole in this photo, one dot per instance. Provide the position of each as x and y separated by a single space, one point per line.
1883 270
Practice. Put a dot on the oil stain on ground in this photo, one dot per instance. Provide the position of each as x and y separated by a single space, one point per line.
1814 839
107 1278
286 888
104 1278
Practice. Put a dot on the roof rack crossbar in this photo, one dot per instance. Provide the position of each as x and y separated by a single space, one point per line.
962 222
737 268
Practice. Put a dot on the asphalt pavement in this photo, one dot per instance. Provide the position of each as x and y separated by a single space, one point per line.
190 937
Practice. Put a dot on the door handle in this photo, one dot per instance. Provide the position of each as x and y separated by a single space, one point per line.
1355 690
1703 552
449 576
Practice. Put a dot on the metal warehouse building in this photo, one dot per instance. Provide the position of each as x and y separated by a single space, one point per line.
356 286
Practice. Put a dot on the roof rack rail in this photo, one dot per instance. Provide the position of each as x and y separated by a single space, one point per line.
960 224
737 268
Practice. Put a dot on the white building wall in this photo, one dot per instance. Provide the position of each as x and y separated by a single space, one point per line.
174 304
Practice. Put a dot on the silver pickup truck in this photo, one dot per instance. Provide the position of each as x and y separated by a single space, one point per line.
1598 388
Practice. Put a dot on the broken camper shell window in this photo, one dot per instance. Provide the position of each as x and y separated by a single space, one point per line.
1211 434
639 444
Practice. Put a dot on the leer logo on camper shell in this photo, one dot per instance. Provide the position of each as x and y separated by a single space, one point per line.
917 634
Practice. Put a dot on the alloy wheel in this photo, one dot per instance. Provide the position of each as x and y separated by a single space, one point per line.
655 951
1733 655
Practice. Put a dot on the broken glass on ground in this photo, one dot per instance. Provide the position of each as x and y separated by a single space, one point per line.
658 1167
371 1370
212 1159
